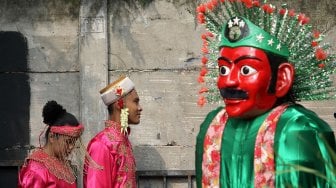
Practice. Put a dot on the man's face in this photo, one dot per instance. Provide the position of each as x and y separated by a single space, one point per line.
132 103
244 78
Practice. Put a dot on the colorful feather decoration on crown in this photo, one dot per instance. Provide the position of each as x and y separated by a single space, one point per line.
285 30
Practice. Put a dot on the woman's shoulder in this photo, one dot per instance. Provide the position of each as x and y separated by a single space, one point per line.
32 173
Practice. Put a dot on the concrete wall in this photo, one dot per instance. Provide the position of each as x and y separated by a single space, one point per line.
77 47
51 31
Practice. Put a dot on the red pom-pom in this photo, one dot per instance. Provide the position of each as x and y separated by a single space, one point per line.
201 101
291 13
205 44
248 3
209 34
303 19
210 5
204 60
201 8
214 2
301 16
314 43
316 34
203 90
200 79
203 71
282 11
205 50
201 18
320 54
265 7
256 3
268 8
321 65
204 36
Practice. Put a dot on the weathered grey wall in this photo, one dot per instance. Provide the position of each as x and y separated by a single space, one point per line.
51 30
76 48
158 47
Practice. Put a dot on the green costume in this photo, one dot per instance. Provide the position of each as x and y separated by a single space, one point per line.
301 139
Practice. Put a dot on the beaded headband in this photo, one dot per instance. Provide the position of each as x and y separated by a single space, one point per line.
73 131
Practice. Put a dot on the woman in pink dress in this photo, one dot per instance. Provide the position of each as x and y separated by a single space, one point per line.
49 166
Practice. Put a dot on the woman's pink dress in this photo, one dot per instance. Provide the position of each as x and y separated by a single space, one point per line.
43 171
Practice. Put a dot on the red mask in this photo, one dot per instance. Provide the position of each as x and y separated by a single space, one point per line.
244 79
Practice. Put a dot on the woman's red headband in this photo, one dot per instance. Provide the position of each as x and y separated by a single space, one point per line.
68 130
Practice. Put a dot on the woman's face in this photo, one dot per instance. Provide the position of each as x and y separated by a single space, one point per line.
63 145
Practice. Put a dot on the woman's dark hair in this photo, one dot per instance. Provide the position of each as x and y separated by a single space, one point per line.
55 115
275 61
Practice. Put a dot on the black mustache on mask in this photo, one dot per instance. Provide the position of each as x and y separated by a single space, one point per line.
230 93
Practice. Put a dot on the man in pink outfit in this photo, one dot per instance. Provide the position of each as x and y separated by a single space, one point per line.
111 147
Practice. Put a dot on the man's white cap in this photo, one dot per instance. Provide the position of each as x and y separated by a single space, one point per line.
116 90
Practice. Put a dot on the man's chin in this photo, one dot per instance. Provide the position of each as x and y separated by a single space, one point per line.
244 113
134 122
236 108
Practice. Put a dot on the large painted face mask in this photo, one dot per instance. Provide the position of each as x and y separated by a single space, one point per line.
287 38
244 80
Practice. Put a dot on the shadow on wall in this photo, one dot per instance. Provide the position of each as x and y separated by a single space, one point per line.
14 105
148 161
148 158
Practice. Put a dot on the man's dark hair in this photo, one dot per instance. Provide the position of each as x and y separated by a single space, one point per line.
275 61
110 109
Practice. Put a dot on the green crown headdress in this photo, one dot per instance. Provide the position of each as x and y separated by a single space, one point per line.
279 31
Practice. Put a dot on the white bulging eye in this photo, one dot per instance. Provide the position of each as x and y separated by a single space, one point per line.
224 70
247 70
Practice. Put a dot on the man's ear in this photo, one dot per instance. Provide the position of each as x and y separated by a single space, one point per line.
285 79
116 105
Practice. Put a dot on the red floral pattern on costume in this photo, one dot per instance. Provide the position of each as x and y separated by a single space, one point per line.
127 166
58 168
211 154
264 167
